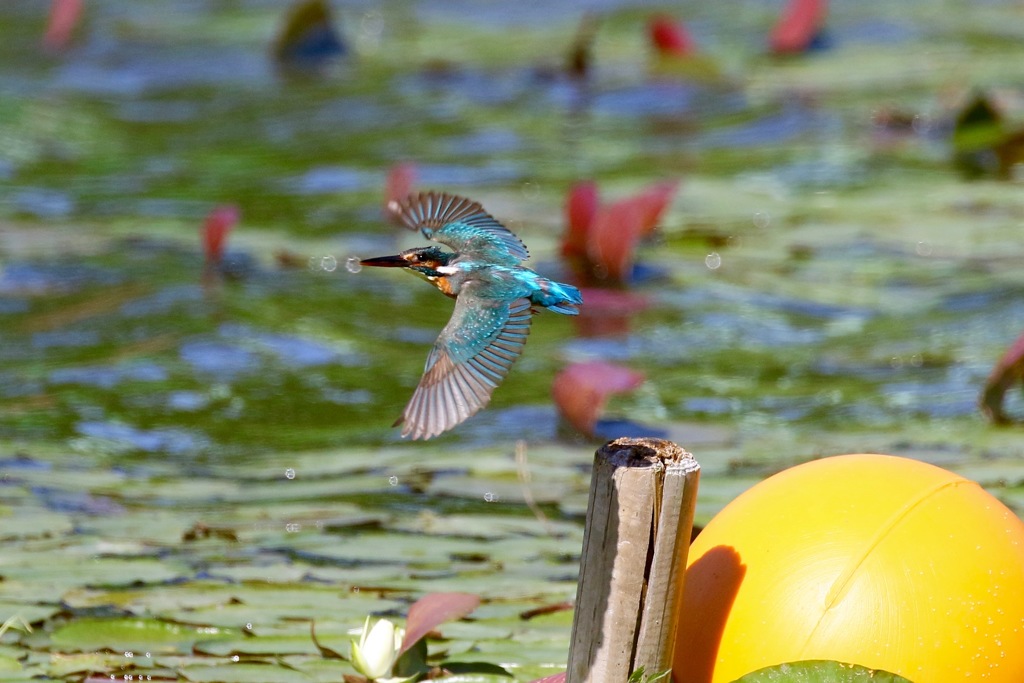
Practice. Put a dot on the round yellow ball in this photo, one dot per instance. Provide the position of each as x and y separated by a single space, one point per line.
875 560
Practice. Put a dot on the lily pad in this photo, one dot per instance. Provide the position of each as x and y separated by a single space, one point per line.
131 635
819 671
9 665
244 673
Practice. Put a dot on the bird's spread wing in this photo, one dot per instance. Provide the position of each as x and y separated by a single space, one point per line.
470 358
463 225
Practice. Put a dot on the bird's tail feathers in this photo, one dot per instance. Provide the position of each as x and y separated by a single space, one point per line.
557 297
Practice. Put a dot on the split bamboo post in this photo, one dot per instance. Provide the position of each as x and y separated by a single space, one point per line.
642 497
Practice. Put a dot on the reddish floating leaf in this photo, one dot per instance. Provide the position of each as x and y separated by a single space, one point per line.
434 609
653 201
64 17
581 206
554 678
670 38
215 231
800 22
581 390
613 238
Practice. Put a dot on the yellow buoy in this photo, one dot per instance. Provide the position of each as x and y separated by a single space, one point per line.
875 560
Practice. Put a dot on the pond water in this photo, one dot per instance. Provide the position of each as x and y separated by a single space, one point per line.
216 454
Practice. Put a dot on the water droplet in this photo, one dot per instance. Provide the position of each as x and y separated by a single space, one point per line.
352 264
371 27
761 219
713 260
289 473
235 658
490 497
328 263
129 654
248 626
924 249
292 527
393 480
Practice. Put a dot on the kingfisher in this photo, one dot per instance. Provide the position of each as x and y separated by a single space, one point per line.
495 299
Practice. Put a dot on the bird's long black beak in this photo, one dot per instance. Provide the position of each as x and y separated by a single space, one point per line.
385 261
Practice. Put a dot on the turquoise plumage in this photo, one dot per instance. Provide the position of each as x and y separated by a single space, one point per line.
494 299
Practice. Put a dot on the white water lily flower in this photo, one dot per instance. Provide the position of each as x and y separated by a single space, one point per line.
377 649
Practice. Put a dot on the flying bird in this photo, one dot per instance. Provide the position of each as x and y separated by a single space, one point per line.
494 304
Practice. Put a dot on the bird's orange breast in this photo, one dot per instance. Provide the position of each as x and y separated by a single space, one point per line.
445 285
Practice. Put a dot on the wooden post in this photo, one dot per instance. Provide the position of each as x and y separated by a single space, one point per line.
642 497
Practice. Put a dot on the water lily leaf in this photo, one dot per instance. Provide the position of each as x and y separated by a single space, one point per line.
482 672
253 602
488 488
412 661
67 569
43 523
283 644
244 673
997 473
474 630
144 635
319 668
318 464
819 671
514 653
9 664
376 548
26 612
475 677
487 526
62 664
307 488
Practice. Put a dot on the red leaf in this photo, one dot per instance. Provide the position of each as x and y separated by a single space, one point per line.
653 201
215 231
581 205
801 20
670 38
554 678
613 238
434 609
64 17
581 390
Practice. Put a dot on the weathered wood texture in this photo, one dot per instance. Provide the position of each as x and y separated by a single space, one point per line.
642 499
